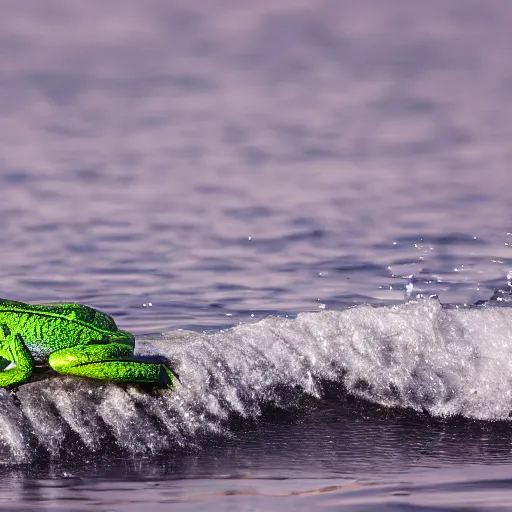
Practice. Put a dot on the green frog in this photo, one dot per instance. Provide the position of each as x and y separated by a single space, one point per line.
72 339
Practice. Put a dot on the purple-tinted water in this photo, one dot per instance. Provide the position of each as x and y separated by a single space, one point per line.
194 165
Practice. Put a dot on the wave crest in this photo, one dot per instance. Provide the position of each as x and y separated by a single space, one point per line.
417 355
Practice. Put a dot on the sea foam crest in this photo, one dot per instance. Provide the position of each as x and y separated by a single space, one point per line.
417 355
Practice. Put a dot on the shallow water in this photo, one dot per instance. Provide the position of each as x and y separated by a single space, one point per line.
190 167
326 459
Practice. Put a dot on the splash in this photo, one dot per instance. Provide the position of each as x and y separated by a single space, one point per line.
418 355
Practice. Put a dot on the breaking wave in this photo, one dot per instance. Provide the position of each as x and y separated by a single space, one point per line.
417 355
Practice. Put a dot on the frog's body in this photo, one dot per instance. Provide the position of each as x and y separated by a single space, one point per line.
72 339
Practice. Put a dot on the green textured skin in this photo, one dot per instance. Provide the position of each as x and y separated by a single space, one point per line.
72 339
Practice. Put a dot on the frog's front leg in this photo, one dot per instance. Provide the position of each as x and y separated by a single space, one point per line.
109 361
17 363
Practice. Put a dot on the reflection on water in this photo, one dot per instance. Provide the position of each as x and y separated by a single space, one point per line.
346 454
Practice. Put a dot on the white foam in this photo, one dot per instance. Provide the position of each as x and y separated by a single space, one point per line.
416 355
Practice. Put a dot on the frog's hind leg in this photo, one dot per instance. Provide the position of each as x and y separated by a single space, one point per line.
16 362
112 361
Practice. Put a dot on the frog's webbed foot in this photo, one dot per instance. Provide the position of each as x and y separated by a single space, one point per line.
16 363
112 361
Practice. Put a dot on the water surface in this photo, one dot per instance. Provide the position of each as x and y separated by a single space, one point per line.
209 165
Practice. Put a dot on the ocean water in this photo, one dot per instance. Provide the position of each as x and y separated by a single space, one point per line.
296 203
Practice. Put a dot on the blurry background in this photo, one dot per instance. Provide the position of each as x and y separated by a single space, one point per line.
196 164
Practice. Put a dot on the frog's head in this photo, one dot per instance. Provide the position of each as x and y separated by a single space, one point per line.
123 337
